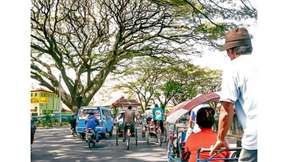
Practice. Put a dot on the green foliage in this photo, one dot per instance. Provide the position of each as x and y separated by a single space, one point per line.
171 87
186 81
49 121
181 8
115 111
176 2
91 39
155 81
211 31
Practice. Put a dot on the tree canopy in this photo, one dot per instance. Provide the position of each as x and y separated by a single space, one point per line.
153 81
84 41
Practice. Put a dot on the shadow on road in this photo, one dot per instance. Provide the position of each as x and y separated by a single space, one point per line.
58 145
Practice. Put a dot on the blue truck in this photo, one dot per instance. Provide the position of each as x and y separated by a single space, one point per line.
103 114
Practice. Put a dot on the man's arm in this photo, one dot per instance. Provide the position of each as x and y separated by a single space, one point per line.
133 116
225 121
190 122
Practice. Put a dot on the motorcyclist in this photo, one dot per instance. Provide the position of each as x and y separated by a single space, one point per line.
91 123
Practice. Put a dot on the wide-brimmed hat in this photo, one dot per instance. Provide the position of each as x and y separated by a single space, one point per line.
237 37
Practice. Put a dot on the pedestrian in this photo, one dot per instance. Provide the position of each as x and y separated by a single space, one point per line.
73 123
33 130
238 93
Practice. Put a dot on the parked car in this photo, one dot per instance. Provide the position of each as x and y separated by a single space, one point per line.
103 114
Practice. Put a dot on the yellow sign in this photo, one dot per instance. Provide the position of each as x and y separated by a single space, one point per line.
39 100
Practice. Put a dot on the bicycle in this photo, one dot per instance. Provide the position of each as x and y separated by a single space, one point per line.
128 135
91 138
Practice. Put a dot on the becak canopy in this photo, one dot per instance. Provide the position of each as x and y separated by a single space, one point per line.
186 106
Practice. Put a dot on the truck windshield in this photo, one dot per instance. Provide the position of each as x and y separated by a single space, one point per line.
83 114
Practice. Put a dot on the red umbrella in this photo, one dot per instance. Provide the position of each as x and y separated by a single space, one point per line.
188 105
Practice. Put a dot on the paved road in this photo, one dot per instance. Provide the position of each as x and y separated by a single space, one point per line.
57 145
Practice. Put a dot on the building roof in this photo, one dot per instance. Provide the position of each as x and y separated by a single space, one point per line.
64 108
41 90
122 102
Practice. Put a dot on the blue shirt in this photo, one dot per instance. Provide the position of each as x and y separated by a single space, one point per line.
157 113
91 122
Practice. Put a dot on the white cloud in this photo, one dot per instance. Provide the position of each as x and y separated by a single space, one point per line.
215 60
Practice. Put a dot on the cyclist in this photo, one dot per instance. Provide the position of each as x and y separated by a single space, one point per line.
158 116
129 121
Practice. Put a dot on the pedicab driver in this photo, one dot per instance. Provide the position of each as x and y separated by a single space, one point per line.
239 92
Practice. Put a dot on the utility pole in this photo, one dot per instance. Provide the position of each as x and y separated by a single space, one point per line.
60 109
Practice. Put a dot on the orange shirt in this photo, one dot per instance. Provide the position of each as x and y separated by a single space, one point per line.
203 139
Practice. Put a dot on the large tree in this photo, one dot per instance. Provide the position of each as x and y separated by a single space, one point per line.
141 80
85 40
152 80
190 81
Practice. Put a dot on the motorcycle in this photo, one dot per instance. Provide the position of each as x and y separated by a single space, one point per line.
91 138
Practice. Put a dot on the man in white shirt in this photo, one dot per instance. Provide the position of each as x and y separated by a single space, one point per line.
239 88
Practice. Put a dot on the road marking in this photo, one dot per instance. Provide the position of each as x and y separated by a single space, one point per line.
77 160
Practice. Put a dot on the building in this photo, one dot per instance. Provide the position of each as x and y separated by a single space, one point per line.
43 102
123 103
